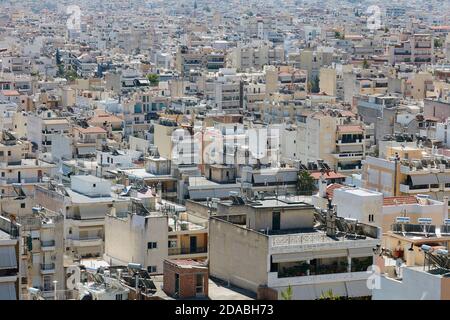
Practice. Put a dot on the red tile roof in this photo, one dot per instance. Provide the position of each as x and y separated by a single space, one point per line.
392 201
330 175
350 128
8 93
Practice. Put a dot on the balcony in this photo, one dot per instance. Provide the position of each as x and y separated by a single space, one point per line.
345 142
349 156
48 245
47 268
197 252
86 242
275 281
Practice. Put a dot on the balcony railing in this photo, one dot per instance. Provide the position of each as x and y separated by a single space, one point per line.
178 251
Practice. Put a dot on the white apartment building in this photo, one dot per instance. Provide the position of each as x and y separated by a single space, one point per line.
84 206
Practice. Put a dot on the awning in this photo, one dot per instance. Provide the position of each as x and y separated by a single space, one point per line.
329 254
292 257
360 252
8 291
7 257
443 177
422 179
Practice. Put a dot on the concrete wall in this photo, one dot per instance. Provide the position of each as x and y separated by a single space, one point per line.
126 240
237 255
289 219
416 285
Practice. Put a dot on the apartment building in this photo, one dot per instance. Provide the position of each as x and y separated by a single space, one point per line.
10 262
87 140
408 171
41 128
413 48
413 262
152 231
225 91
371 207
84 206
187 59
43 250
256 55
327 136
285 248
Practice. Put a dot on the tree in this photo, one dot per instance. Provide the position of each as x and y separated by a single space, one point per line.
71 75
58 57
154 79
305 183
59 64
365 64
313 85
287 294
437 43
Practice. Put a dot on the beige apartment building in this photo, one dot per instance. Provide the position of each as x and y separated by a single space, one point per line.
152 231
283 248
408 171
84 206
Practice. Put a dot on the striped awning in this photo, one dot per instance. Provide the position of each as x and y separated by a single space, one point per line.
424 179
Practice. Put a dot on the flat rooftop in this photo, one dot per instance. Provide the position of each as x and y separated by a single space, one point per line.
81 198
141 173
280 203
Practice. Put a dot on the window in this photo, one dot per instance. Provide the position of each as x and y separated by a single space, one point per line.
172 243
118 296
371 218
94 185
151 269
199 283
22 205
152 245
9 153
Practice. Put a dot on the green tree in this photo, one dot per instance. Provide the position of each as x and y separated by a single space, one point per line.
71 75
154 79
337 34
287 294
365 64
58 57
314 85
305 183
437 43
